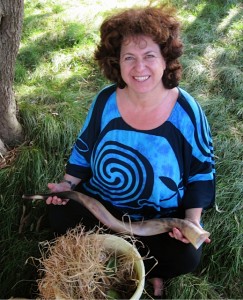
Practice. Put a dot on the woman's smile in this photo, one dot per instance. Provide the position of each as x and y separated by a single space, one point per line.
141 78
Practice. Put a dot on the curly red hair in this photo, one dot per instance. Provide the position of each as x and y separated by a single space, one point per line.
159 23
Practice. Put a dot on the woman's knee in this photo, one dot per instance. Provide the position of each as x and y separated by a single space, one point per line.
190 259
173 257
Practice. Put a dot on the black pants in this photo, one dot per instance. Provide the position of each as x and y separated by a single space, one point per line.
174 257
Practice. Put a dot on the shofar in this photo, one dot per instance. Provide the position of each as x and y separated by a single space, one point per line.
193 233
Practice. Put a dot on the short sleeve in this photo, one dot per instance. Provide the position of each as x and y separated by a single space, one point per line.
200 184
79 161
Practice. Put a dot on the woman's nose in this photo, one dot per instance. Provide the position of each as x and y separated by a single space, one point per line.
139 64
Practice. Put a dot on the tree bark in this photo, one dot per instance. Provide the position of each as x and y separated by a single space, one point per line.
11 17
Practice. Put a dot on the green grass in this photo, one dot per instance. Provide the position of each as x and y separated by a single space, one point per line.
55 81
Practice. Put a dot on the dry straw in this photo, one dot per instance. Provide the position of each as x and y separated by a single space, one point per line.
78 266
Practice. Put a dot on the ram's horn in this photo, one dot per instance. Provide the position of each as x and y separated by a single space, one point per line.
193 233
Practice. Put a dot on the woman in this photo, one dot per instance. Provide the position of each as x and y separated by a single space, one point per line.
145 149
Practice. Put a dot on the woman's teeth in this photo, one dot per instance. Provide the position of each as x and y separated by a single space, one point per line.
141 78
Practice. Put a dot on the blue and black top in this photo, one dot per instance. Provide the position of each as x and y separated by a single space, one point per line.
145 173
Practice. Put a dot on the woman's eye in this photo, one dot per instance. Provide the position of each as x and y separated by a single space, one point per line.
149 56
129 58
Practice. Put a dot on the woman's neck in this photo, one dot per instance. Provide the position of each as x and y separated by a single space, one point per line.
147 101
146 113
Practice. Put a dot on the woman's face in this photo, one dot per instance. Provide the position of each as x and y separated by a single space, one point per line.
142 64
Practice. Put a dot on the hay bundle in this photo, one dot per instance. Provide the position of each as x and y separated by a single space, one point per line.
79 265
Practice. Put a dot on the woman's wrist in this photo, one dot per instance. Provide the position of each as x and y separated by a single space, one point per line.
193 215
70 183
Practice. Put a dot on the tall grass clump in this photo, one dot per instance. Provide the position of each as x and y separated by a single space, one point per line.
55 81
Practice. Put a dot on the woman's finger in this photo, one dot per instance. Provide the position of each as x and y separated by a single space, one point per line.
176 234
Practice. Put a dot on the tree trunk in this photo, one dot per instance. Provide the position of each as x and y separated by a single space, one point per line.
11 17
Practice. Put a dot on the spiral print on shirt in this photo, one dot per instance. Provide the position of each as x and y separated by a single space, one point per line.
119 172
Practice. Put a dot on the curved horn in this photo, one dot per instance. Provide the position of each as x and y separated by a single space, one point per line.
193 233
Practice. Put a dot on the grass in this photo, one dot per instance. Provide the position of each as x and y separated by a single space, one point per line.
55 81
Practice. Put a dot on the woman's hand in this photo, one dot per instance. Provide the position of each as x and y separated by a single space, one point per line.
69 182
193 215
176 233
58 187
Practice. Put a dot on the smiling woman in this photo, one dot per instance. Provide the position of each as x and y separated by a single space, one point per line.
54 84
145 149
